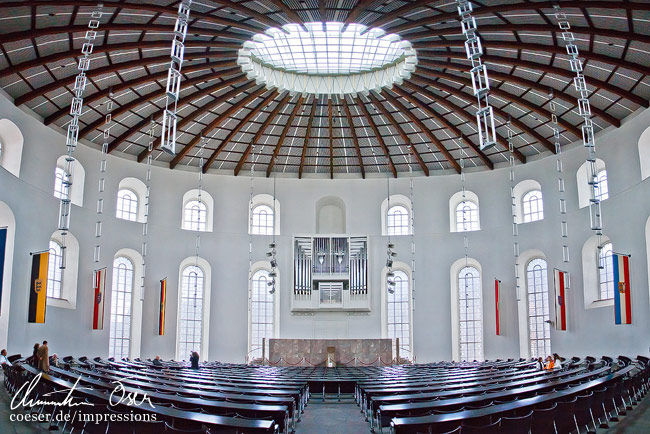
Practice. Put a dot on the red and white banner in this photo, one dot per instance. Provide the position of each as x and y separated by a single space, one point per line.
497 300
622 290
559 278
98 301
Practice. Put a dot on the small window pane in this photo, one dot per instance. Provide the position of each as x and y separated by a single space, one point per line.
191 312
538 314
397 221
262 313
399 317
471 317
127 205
533 207
262 220
195 216
467 216
120 333
54 271
602 190
61 188
606 272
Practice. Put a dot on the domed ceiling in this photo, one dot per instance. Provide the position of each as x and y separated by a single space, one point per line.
424 119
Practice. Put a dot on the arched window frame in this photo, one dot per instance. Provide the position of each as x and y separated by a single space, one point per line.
69 276
456 268
583 186
407 351
75 191
195 216
398 220
605 272
127 205
602 189
456 203
262 268
263 217
644 153
269 201
11 140
137 188
205 267
396 200
54 271
591 273
532 205
60 189
207 219
538 314
190 311
122 295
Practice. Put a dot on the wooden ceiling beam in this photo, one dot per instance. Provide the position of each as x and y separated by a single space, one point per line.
400 131
291 14
445 123
91 73
355 139
305 142
283 135
380 139
426 131
97 96
114 48
149 98
279 106
484 10
358 9
427 65
142 6
224 117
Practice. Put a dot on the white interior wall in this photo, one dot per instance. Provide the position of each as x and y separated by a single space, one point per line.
69 331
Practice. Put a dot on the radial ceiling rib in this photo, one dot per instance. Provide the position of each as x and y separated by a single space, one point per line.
426 66
384 111
291 14
483 10
355 139
331 136
151 97
445 123
190 117
399 106
113 49
380 139
305 142
251 114
92 73
279 106
283 135
358 9
142 6
472 118
131 84
221 118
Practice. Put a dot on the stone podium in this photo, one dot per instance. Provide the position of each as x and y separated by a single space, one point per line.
314 352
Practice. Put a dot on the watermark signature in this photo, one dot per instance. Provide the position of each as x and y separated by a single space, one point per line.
118 396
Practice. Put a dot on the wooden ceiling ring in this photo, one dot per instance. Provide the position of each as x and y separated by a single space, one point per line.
150 97
279 106
94 97
399 106
400 131
441 119
497 111
506 78
283 135
138 6
253 111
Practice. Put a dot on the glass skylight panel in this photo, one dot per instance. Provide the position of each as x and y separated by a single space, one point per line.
327 58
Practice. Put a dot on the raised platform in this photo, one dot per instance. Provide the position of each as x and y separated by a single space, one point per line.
314 352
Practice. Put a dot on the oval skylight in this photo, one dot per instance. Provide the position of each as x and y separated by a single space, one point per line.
327 58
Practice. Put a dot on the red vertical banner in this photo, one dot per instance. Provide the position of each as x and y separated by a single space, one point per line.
163 301
559 279
99 286
497 300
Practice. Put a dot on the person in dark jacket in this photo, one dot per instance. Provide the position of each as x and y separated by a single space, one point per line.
157 361
194 360
35 355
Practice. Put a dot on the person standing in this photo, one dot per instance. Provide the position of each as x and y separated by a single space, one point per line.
35 355
43 357
194 360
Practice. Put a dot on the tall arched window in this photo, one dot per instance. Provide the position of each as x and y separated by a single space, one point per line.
399 313
470 314
54 272
602 190
121 303
467 216
262 220
190 312
539 330
262 313
195 216
606 272
532 206
60 188
127 205
397 220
